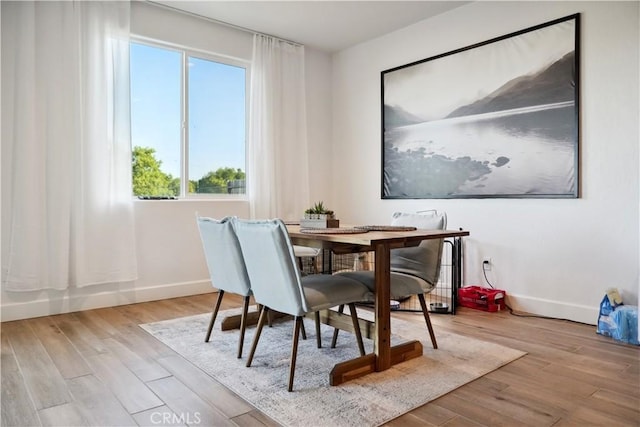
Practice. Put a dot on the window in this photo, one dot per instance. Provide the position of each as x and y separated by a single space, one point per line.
188 123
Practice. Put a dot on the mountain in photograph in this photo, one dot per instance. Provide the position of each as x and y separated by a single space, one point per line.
395 116
556 83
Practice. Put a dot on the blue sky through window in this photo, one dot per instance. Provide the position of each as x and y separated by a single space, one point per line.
216 105
216 117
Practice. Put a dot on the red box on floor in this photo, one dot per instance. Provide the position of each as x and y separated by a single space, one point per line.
480 298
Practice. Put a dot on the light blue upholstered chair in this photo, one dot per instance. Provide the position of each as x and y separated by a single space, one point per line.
277 284
302 252
414 270
226 267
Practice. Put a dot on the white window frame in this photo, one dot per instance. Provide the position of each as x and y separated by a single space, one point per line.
184 119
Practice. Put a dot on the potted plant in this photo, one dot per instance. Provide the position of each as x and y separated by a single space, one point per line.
318 216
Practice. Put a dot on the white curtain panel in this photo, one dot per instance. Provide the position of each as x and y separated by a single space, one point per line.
67 210
278 172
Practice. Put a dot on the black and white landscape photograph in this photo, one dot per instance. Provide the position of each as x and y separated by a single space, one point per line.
496 119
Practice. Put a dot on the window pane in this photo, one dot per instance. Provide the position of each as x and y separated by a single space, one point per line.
155 120
216 127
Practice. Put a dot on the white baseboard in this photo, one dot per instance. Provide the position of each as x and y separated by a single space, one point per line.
551 308
46 303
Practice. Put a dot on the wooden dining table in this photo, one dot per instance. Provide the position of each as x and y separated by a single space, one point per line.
380 243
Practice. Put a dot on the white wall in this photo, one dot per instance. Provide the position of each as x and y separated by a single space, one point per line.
553 257
170 259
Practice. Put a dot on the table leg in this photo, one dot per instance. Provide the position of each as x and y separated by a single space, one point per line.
382 338
456 261
233 321
364 365
384 355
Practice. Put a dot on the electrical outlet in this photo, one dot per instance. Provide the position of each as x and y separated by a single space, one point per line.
486 264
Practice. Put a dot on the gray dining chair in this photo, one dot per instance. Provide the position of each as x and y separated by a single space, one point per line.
302 252
414 270
277 284
226 267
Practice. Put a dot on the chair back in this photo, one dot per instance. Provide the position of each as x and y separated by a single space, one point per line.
425 259
270 260
224 256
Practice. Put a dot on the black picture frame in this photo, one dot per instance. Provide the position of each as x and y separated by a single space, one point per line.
497 119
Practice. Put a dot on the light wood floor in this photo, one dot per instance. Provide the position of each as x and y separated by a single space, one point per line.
98 368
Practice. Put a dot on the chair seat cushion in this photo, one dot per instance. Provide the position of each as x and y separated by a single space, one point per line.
402 285
326 291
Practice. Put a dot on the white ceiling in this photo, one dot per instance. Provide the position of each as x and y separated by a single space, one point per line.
327 25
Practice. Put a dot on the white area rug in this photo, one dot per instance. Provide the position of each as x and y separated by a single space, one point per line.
368 401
